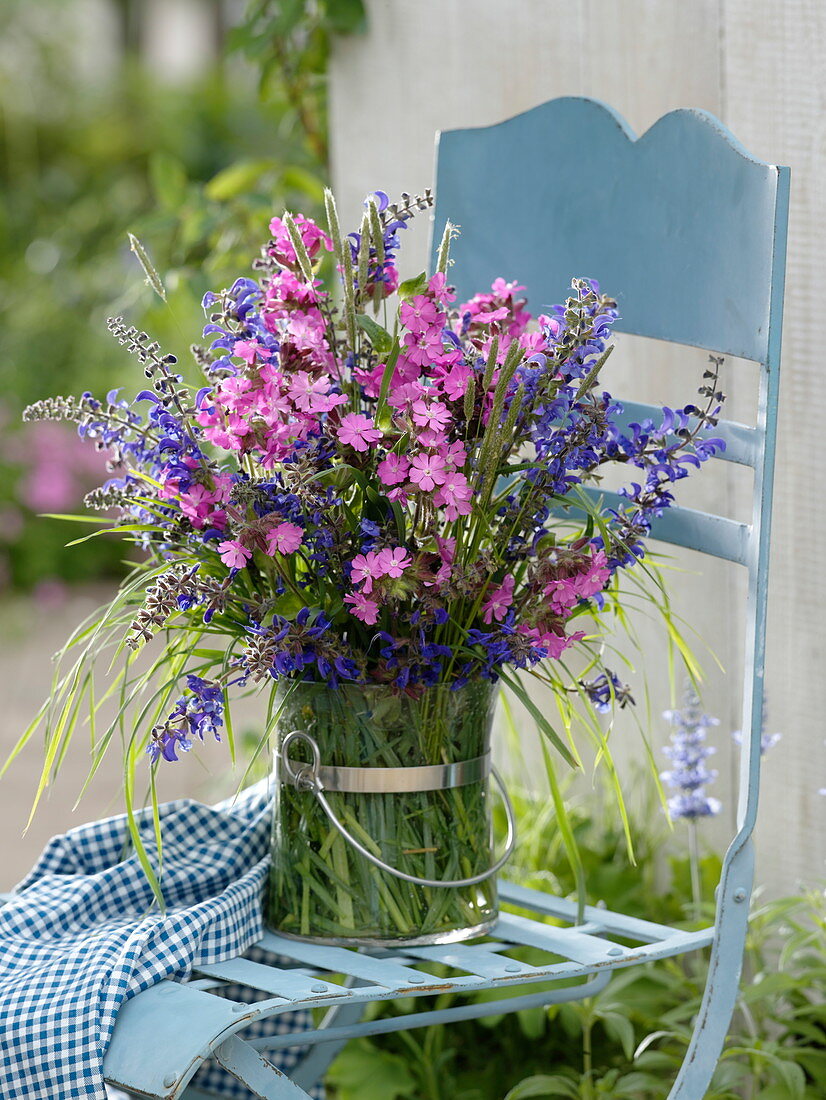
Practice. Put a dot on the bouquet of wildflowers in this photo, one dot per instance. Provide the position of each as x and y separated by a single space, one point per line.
376 484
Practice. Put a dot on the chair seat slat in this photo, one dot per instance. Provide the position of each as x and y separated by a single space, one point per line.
289 985
340 960
577 946
615 924
715 535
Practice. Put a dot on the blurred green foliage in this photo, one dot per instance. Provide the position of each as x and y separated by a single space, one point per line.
89 153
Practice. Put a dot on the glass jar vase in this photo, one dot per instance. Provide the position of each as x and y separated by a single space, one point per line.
382 825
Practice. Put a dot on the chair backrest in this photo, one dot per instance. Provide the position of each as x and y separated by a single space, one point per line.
688 231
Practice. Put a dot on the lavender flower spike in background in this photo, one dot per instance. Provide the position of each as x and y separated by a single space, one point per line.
688 752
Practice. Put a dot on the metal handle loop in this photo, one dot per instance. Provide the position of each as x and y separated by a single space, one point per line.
306 778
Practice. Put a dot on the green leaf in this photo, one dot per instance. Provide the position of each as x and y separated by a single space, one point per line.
364 1072
288 605
542 722
380 338
411 287
296 178
238 179
546 1087
74 519
532 1022
619 1027
115 531
346 16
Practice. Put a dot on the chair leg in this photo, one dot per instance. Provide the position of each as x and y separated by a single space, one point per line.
723 981
253 1070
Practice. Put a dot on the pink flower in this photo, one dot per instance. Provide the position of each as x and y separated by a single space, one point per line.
393 469
498 601
440 290
371 378
454 382
554 644
422 348
561 595
197 504
403 394
283 249
454 495
284 539
233 554
248 349
366 569
393 562
431 414
447 549
313 395
421 314
428 471
564 593
363 608
430 437
358 431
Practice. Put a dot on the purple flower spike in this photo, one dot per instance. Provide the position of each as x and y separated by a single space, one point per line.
688 752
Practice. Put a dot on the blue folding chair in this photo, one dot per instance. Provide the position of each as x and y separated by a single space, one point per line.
689 231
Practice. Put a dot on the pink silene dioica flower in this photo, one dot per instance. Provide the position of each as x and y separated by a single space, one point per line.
282 248
428 471
233 554
564 593
422 315
554 644
363 608
393 469
498 601
442 293
393 561
198 505
453 382
366 569
454 495
358 431
248 350
423 348
370 379
431 414
313 395
284 539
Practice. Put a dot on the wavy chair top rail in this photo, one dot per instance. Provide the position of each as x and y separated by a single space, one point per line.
566 189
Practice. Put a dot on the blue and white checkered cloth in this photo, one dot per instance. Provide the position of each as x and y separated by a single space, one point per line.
82 934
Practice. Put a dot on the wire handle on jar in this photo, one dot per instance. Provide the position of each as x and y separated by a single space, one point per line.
306 777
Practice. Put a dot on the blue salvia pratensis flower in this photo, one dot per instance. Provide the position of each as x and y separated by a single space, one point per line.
688 751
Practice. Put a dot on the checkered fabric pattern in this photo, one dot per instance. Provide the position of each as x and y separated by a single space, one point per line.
82 934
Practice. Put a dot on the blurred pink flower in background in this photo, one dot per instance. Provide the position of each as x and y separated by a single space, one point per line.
58 467
50 593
